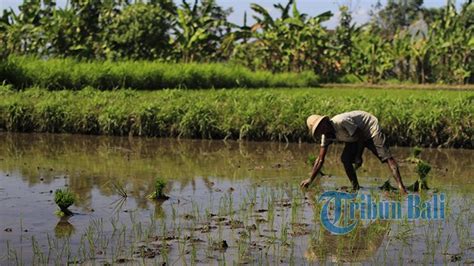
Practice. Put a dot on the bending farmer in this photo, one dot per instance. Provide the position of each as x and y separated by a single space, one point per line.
359 130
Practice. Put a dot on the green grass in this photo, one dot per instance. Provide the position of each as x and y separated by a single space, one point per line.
409 117
422 169
64 198
54 74
158 192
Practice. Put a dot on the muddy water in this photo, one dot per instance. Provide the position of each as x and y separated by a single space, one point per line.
229 202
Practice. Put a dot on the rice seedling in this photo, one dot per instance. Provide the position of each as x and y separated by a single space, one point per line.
277 238
120 189
237 113
57 74
422 169
416 152
64 199
158 193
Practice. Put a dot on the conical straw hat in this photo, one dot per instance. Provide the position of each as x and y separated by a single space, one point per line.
313 122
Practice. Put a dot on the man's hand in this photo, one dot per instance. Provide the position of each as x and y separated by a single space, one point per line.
318 164
305 183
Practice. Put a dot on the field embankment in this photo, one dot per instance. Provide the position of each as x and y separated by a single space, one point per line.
54 74
409 117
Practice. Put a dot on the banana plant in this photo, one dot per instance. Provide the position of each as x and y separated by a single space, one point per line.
343 42
420 54
23 30
401 48
198 30
452 37
372 54
290 42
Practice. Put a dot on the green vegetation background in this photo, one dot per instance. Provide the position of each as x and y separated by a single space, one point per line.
407 116
401 43
116 68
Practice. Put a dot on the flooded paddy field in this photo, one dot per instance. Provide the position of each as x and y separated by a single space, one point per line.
229 202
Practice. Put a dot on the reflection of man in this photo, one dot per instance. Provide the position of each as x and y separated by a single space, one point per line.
361 245
359 130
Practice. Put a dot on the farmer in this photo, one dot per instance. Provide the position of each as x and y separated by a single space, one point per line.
358 130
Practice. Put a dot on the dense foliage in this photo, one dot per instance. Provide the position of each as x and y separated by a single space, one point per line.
402 42
54 74
443 119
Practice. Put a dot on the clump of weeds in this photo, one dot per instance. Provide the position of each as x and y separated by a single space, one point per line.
159 193
64 198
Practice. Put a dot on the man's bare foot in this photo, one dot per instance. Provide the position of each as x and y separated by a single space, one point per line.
355 188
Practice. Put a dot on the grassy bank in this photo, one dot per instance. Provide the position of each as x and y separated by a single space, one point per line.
442 118
53 74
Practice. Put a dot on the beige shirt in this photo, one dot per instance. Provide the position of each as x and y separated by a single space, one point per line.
346 124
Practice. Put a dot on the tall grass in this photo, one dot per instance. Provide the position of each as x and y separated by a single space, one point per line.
53 74
409 118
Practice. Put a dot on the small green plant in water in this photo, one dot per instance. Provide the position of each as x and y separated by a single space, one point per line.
64 199
159 194
415 155
311 159
422 169
416 152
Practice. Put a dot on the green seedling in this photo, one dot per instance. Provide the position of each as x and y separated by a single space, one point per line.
64 199
416 152
205 117
415 187
159 194
120 189
422 169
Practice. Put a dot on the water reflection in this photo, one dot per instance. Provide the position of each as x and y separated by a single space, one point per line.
360 245
86 162
202 176
64 229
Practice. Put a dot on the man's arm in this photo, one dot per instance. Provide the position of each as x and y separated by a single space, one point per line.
318 164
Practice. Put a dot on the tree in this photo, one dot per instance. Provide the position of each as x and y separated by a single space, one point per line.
291 42
140 31
198 30
394 15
